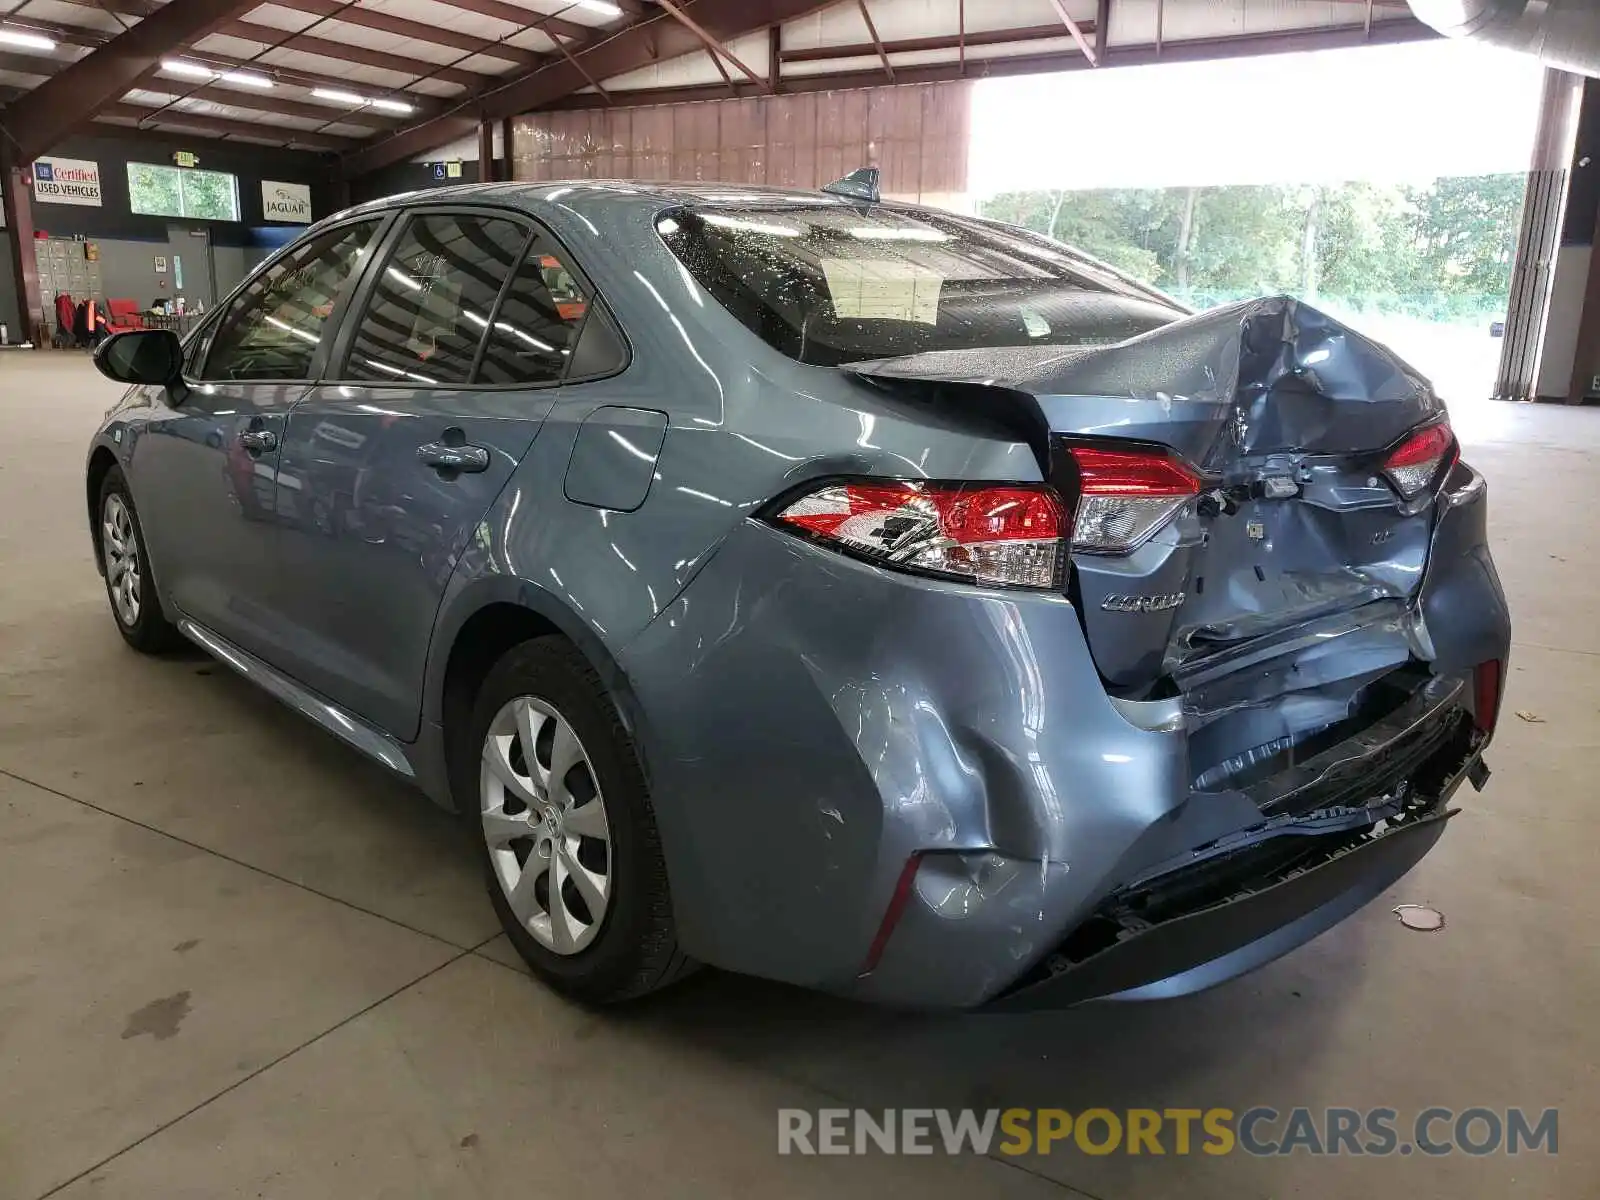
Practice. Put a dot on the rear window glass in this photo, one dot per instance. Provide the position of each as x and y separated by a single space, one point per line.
829 284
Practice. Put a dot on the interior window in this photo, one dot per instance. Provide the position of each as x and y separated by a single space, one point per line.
537 326
272 329
433 299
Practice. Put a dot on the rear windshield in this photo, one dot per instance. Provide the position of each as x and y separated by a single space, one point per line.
830 284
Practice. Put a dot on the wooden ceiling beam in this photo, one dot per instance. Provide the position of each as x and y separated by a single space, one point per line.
72 96
345 52
515 14
420 31
222 127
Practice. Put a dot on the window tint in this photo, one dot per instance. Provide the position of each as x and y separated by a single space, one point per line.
537 325
431 305
600 349
272 329
834 283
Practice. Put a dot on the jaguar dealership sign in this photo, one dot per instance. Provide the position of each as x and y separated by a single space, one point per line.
286 202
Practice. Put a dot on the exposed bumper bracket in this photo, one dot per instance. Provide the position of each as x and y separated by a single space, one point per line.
1193 951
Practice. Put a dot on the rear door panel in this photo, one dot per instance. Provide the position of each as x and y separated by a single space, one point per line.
371 535
371 531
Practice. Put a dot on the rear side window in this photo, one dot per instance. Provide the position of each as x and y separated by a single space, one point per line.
272 329
432 303
537 327
833 283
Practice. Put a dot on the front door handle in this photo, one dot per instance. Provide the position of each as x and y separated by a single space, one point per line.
258 441
445 458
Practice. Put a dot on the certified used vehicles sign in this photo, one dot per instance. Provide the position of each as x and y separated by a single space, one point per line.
66 181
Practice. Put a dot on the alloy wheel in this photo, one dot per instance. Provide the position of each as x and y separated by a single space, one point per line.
544 822
121 548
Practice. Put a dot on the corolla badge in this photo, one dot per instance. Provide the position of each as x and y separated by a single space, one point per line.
1142 604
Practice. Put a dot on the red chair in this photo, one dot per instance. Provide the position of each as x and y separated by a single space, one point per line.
123 315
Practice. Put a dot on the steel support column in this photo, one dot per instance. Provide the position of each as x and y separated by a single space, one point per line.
339 184
486 172
508 155
1538 241
1580 234
17 187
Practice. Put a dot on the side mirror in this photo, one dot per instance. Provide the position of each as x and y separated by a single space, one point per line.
147 356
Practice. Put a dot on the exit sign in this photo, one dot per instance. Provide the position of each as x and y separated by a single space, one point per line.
185 158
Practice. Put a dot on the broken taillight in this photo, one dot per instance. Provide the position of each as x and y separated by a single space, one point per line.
998 535
1125 496
1420 459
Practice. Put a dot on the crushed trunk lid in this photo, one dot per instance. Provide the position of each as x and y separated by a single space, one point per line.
1287 415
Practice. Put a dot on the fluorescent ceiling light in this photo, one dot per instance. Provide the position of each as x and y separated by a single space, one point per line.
397 106
604 7
33 41
337 97
246 79
176 66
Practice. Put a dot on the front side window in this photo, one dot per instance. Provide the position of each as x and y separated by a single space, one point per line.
434 299
273 328
536 329
835 283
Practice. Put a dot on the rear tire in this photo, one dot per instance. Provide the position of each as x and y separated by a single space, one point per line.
130 587
554 793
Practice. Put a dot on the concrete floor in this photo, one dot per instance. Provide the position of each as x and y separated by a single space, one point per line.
237 961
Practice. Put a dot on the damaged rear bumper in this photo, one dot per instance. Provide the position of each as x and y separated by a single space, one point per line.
1330 833
885 721
1196 950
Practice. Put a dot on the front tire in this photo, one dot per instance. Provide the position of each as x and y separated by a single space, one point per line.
130 586
563 819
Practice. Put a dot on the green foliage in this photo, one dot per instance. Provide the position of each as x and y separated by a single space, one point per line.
210 196
161 191
1441 251
154 190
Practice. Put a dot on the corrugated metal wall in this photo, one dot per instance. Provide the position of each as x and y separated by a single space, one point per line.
917 135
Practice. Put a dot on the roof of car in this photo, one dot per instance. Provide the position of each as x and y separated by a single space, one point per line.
579 195
575 193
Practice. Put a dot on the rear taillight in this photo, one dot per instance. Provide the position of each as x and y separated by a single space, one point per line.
999 536
1420 459
1125 496
1486 683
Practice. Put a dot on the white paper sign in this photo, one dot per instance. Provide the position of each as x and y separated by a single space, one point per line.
289 202
883 289
66 181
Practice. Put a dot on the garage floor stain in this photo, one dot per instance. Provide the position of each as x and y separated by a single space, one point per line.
160 1018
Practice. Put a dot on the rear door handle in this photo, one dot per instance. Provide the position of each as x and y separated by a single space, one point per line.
258 441
442 457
